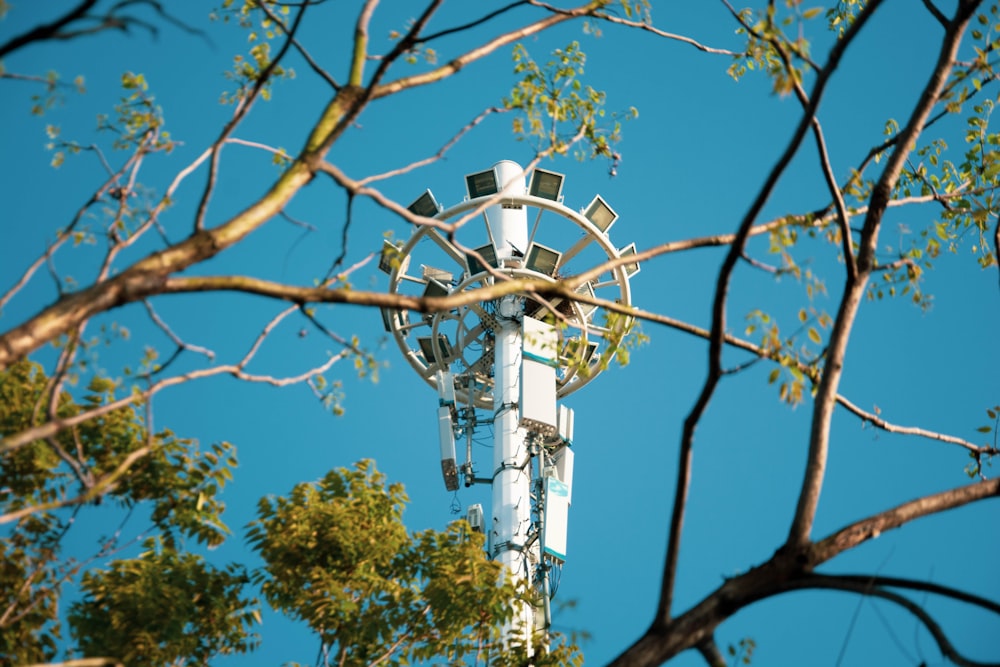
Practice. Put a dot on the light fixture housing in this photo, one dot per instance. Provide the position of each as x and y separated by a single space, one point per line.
586 289
542 259
436 288
441 275
571 351
482 184
425 205
392 315
631 268
600 214
427 348
391 257
488 252
546 184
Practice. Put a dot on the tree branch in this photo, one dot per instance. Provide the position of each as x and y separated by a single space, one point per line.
481 51
717 337
826 392
46 31
818 581
861 531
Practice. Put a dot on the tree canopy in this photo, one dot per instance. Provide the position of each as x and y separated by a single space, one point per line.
813 200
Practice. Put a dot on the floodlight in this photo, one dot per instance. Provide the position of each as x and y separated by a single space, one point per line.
546 184
427 348
435 288
433 273
425 205
482 184
632 268
599 213
488 253
390 258
542 259
586 289
572 349
399 318
388 315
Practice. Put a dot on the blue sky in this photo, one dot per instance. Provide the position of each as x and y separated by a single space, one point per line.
692 162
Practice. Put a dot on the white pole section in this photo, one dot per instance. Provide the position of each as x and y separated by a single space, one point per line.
511 480
511 477
509 226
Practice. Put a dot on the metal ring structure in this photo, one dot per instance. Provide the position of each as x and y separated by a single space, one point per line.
459 340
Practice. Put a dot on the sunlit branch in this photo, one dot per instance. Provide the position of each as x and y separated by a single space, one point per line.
804 57
69 230
117 243
656 31
481 51
82 662
358 188
100 487
12 442
177 340
842 217
437 156
877 421
279 152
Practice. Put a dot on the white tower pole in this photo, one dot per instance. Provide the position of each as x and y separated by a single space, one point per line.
457 350
511 506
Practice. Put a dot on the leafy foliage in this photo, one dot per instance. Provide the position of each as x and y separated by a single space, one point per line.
339 558
556 111
110 457
164 608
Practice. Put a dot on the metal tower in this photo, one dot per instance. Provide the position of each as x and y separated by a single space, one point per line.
502 364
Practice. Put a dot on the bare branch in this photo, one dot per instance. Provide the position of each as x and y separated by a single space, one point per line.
866 529
717 338
437 156
660 33
912 430
817 581
46 31
936 13
82 662
854 289
789 569
709 650
472 24
323 74
242 109
481 51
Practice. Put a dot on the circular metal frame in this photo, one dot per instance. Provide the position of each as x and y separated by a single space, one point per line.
460 340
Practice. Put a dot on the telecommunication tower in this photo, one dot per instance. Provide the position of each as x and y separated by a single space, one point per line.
503 364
